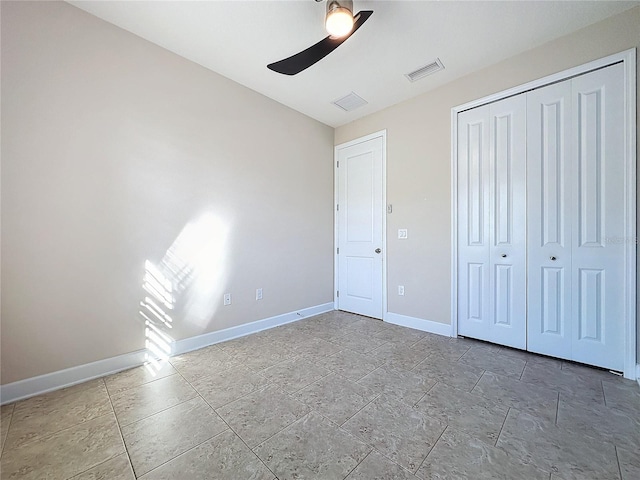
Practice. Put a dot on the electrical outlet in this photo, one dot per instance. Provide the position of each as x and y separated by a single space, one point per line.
402 233
258 294
401 290
227 299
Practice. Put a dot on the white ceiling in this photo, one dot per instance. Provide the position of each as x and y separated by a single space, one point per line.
238 38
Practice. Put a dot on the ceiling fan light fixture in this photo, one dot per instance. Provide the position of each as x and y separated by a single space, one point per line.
339 19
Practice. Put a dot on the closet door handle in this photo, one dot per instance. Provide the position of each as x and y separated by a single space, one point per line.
504 255
552 258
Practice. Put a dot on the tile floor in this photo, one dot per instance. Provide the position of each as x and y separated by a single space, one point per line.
331 397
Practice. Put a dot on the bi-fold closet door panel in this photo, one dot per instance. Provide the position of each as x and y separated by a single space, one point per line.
492 232
549 205
598 268
575 213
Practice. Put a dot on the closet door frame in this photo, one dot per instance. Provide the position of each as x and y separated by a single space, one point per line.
628 59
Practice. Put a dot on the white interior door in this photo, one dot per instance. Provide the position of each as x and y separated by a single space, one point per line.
549 214
360 213
598 325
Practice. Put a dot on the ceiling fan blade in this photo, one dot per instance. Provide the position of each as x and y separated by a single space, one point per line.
306 58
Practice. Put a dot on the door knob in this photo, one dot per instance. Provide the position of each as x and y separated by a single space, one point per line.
504 255
552 258
378 250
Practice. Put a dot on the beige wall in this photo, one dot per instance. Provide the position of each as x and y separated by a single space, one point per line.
110 147
419 159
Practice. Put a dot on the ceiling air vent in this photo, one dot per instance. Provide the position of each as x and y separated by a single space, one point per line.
422 72
350 102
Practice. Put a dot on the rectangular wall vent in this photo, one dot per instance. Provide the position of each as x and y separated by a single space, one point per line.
350 102
422 72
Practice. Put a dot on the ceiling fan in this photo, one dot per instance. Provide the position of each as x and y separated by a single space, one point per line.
340 23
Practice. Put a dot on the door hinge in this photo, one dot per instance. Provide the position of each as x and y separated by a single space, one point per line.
338 250
338 164
338 207
338 293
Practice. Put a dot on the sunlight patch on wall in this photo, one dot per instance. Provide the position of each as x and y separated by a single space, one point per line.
184 285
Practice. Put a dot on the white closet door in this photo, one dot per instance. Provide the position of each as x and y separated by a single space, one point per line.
491 222
598 220
473 223
549 213
507 284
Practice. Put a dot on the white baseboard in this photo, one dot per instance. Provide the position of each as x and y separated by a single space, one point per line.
194 343
419 324
49 382
638 373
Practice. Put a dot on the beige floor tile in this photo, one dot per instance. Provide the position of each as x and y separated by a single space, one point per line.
461 456
409 387
400 335
262 414
471 413
229 385
602 423
359 343
165 435
398 431
368 326
623 395
541 443
284 333
65 453
309 346
495 362
139 402
378 467
534 399
563 381
336 397
446 370
224 457
49 413
329 334
6 412
449 348
242 344
629 461
266 356
589 373
295 374
349 364
117 468
135 377
398 355
73 434
532 358
312 448
202 363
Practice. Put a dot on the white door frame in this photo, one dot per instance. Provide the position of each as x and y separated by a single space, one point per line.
628 59
336 192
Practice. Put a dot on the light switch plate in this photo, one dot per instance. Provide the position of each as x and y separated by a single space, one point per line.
402 233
